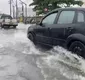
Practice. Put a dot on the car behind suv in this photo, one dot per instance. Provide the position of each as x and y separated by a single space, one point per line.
64 27
6 21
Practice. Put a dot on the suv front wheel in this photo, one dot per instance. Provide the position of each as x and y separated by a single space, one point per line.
31 37
78 48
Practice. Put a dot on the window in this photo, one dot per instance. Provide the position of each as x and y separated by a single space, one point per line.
80 17
49 19
66 17
6 17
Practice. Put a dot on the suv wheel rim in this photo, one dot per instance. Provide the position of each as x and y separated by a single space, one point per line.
78 50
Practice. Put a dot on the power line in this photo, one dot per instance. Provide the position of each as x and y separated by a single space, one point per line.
25 7
11 2
23 3
14 4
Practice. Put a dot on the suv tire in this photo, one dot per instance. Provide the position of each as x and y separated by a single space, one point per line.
14 27
2 26
78 48
6 27
31 37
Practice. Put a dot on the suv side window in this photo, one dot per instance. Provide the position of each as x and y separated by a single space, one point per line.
66 17
80 17
50 19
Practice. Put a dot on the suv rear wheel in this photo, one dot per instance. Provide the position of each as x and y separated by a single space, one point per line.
14 27
78 48
2 26
6 27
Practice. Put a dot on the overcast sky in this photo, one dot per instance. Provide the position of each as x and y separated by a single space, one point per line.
4 5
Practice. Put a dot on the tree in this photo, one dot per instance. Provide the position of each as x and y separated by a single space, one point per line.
42 5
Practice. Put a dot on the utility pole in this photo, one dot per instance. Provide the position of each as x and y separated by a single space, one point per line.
26 10
10 8
25 13
23 9
16 10
13 11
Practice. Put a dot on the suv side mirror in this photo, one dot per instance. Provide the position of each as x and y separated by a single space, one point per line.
38 22
41 24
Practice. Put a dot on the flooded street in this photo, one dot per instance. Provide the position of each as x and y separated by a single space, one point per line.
21 60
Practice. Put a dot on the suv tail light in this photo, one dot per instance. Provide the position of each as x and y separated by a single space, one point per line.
1 20
14 20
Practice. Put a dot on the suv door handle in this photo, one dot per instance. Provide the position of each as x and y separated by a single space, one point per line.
70 28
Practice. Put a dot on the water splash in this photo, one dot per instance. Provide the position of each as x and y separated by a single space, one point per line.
69 65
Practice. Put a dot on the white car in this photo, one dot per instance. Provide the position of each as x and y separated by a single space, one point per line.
6 21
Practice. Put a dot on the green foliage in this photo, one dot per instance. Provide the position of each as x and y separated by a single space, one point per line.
40 5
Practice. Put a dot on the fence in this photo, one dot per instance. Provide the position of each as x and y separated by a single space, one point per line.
31 20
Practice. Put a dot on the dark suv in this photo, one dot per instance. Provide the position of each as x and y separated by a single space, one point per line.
64 27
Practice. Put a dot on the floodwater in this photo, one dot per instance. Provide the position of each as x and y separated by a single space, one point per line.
20 59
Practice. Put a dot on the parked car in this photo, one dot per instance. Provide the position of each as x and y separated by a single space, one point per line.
64 27
6 21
